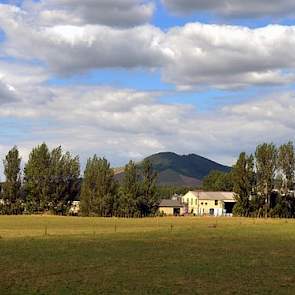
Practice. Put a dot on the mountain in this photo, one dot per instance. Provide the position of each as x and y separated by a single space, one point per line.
182 170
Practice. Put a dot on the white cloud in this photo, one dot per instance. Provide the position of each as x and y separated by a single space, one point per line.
22 74
191 56
229 56
234 8
68 49
7 93
122 13
123 123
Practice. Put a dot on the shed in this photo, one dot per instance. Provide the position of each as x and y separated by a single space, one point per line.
171 207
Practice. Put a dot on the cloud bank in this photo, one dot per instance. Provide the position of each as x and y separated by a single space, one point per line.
234 8
192 56
49 39
121 13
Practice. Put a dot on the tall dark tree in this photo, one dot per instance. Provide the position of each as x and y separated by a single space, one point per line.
64 180
244 183
37 179
286 164
98 188
266 165
148 200
130 191
11 188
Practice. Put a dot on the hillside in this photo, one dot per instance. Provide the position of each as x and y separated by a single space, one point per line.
182 170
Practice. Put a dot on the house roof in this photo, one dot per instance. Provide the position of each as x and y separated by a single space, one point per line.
171 203
220 196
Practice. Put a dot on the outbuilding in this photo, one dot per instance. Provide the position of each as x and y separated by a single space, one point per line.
171 207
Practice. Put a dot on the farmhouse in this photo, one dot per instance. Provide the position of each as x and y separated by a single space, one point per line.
171 207
75 208
209 203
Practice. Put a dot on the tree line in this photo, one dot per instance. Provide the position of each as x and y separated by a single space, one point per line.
263 181
51 181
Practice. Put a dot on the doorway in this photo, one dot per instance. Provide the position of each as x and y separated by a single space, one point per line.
176 211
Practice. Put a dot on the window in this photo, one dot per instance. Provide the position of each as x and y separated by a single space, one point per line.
196 202
187 200
202 203
206 203
192 200
216 202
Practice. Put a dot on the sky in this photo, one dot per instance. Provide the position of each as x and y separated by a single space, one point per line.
125 79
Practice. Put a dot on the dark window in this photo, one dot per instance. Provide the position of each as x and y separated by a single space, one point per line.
216 202
176 211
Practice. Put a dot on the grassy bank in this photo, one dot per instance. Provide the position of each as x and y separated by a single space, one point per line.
63 255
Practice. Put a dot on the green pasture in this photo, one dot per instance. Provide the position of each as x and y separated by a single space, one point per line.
181 255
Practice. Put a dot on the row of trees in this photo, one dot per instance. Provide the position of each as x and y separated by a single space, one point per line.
101 194
51 181
264 182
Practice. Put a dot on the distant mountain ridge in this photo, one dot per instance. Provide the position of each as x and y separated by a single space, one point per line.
183 170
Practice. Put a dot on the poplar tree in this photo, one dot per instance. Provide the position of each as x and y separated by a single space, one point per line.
64 180
286 164
244 183
148 200
266 164
98 188
37 180
130 191
11 189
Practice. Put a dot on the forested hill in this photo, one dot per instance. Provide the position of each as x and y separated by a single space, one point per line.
183 170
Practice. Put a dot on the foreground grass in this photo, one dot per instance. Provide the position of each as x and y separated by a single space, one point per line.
63 255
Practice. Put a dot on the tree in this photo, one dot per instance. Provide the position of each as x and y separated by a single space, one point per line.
244 183
266 164
218 181
148 200
129 191
36 179
98 188
286 163
11 188
64 176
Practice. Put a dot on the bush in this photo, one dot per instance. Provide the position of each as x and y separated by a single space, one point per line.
238 210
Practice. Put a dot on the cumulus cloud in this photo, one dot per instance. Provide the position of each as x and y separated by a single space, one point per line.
234 8
191 56
7 93
70 49
229 56
22 73
122 13
124 123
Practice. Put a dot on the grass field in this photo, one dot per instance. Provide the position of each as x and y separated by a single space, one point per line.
64 255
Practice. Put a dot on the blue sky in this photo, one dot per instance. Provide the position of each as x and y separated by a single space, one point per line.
125 79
